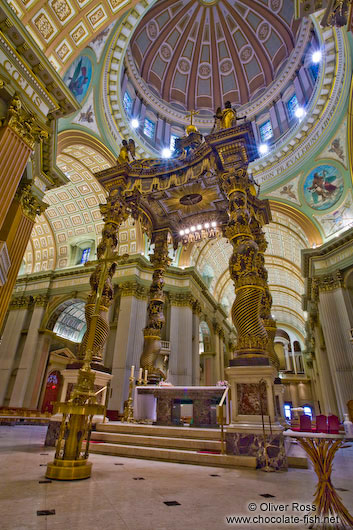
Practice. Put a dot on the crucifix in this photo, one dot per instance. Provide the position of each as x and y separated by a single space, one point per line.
191 128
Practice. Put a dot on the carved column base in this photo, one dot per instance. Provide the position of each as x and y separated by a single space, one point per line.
254 429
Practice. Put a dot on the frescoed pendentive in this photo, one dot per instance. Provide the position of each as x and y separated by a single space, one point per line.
323 187
78 77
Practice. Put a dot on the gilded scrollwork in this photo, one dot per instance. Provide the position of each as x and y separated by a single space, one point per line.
30 204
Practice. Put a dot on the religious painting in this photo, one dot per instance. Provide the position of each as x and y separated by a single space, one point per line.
78 77
323 187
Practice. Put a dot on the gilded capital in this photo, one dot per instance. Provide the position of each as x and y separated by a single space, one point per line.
30 204
23 123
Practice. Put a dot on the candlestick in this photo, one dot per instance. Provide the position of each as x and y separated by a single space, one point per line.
140 374
132 371
146 373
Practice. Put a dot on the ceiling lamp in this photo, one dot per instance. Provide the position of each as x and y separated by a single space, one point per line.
134 123
200 231
263 149
299 112
166 152
316 56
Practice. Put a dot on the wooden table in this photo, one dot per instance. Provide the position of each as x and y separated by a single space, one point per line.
321 449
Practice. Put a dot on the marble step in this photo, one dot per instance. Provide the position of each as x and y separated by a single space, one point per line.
160 430
173 455
188 444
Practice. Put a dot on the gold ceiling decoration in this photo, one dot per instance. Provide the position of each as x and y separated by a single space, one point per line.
191 200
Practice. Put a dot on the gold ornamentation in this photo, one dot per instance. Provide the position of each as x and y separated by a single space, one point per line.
62 9
133 289
226 117
155 316
30 204
23 123
114 213
330 282
44 26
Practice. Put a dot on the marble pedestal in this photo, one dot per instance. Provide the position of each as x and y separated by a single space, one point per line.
254 413
70 376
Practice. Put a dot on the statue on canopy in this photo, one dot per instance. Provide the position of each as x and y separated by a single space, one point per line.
226 117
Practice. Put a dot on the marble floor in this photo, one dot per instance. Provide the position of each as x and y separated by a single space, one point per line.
113 499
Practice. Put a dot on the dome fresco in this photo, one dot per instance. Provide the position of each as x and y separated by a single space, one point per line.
199 54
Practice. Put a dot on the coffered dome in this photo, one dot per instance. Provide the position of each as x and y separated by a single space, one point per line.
197 54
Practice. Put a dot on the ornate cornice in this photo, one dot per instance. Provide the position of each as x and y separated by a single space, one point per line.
20 302
328 283
181 299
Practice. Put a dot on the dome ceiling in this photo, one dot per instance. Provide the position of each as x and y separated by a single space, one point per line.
197 54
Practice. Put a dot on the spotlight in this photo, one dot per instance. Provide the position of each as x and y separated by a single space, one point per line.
134 123
182 232
207 225
166 152
199 227
316 56
193 228
213 224
299 112
263 149
187 231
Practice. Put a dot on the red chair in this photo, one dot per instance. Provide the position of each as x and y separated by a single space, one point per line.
305 423
333 424
321 423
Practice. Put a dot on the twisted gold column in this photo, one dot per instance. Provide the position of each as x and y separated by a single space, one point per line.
152 332
243 265
114 213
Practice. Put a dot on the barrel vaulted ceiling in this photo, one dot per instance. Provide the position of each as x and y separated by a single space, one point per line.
199 54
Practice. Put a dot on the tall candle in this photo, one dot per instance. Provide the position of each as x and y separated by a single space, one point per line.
146 372
140 374
132 370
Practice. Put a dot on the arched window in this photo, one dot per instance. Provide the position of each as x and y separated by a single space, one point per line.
68 320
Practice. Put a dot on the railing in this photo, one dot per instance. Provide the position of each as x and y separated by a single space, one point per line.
165 344
221 418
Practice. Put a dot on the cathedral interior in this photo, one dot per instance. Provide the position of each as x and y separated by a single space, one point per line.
175 202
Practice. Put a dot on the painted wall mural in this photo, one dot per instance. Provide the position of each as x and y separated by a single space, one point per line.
323 187
78 77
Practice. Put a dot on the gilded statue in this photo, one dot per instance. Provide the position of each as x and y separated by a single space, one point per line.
127 150
226 117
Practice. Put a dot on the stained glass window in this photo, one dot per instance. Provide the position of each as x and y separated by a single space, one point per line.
292 105
127 102
266 131
148 128
173 137
85 255
314 70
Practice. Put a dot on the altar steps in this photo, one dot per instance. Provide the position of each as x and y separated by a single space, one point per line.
183 445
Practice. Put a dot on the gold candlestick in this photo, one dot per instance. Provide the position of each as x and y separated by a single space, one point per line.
129 409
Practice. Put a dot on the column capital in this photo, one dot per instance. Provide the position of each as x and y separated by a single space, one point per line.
327 283
23 123
20 302
133 289
41 300
30 204
181 299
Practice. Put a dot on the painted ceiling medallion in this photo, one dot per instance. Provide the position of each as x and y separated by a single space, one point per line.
208 52
190 199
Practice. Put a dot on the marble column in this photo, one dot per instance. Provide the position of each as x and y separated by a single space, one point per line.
217 368
35 384
29 359
336 325
180 358
10 342
299 91
328 404
274 122
128 343
221 349
16 231
195 347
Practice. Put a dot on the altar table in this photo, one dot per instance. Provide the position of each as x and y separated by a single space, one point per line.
162 404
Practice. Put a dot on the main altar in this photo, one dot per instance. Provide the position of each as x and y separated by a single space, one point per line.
203 191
